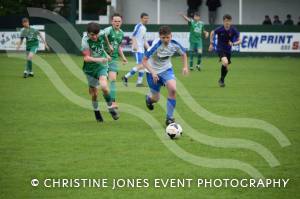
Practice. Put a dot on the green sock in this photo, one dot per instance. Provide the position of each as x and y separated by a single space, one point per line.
29 66
107 99
191 59
112 88
199 58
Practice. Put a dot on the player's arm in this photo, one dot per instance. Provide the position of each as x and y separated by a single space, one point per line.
111 48
87 57
185 69
211 40
184 17
237 41
43 40
134 43
150 69
146 45
121 53
19 43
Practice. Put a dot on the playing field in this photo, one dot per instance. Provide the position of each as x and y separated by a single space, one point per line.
46 130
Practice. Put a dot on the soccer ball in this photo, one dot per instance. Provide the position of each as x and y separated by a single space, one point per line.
174 130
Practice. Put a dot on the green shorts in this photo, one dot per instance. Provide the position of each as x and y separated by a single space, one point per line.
113 66
94 75
32 49
196 47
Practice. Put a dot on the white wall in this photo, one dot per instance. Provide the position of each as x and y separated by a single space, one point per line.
253 10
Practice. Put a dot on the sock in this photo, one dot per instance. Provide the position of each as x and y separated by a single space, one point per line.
191 59
224 72
112 88
199 58
131 73
29 65
95 105
149 99
171 103
140 77
108 99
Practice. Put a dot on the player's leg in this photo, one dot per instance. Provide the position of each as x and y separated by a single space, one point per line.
93 91
224 70
199 57
139 82
154 93
191 52
138 58
141 70
171 101
112 76
107 96
28 66
32 52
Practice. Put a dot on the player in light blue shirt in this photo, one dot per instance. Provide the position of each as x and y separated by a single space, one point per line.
139 44
157 61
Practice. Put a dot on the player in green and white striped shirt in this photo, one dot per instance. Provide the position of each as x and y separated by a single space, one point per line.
32 44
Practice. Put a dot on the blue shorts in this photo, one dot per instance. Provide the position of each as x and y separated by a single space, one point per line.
138 57
163 78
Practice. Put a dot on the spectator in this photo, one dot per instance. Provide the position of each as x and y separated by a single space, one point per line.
276 20
299 21
193 6
212 5
267 20
289 20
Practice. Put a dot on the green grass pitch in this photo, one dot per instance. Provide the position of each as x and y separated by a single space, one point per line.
45 135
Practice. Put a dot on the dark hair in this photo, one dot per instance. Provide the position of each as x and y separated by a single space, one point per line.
164 30
144 15
116 15
197 14
93 28
25 19
276 16
288 16
266 16
227 16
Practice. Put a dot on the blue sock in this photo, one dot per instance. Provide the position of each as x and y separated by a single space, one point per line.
171 103
131 72
140 77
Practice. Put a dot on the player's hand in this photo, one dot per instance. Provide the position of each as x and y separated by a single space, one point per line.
108 58
124 61
206 35
185 71
180 13
111 48
134 48
155 78
210 48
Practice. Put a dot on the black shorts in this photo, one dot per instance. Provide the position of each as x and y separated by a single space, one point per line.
225 54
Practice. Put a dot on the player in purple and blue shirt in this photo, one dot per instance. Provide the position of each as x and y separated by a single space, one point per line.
227 36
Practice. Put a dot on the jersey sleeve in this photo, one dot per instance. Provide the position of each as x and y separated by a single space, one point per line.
107 31
136 30
22 33
122 37
179 48
155 44
236 34
84 44
218 30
